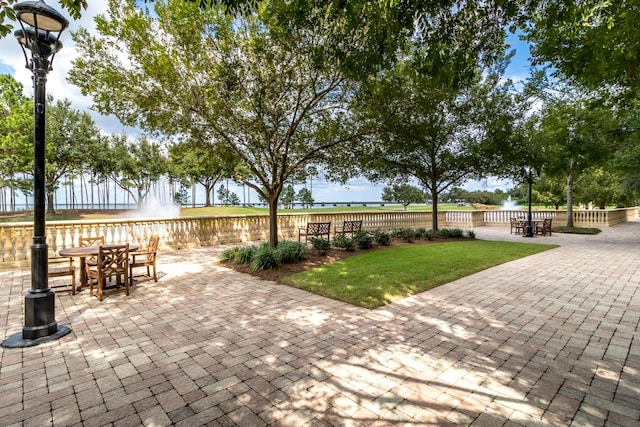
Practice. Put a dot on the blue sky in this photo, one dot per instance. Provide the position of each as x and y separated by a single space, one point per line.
357 190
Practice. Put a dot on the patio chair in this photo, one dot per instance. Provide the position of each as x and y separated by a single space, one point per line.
113 261
59 267
544 228
91 241
518 225
146 259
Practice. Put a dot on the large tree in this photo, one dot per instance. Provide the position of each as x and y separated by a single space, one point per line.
273 85
71 135
404 194
276 100
202 163
436 129
16 133
136 165
577 136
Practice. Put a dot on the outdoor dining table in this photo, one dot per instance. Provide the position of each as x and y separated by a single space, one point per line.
83 252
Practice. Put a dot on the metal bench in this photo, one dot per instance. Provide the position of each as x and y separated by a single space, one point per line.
314 229
350 227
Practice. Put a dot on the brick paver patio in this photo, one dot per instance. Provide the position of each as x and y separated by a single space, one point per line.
551 339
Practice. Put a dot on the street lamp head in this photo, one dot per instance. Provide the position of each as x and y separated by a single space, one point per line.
41 16
41 26
41 43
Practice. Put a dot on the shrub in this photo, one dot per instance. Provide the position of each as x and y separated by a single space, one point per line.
289 252
344 242
454 233
382 238
363 239
321 245
443 233
430 234
457 233
264 258
421 233
406 234
471 234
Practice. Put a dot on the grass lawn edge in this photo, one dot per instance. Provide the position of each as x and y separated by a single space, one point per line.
374 279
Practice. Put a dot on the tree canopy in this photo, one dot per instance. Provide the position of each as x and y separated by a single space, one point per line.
592 43
71 136
16 135
575 137
434 130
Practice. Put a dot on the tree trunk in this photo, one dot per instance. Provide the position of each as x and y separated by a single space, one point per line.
570 200
434 211
208 192
273 221
50 207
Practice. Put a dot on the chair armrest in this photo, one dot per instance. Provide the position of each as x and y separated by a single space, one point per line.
139 254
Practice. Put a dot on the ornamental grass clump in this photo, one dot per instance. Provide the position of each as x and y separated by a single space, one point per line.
229 254
263 257
245 254
421 233
239 254
290 252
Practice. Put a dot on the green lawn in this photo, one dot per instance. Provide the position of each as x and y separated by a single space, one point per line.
380 277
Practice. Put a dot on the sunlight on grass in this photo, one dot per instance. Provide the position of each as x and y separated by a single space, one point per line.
377 278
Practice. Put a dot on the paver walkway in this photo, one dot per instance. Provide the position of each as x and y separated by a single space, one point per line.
551 339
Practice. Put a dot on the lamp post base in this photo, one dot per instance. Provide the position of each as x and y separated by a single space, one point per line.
40 322
528 232
17 340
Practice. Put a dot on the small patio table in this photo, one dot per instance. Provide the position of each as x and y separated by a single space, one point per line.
83 252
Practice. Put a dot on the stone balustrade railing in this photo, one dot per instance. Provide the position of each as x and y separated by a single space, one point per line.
188 232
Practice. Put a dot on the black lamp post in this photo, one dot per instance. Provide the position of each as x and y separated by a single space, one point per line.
529 229
40 29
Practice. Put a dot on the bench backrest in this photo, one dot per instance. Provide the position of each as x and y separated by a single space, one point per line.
351 226
318 228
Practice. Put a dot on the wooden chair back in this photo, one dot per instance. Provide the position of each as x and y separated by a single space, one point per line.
91 241
113 261
517 224
545 227
152 248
